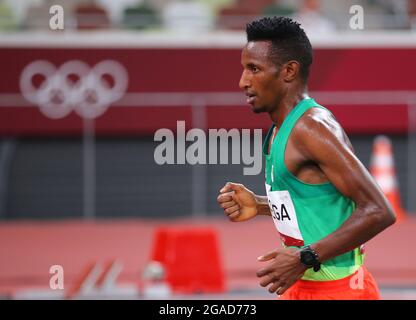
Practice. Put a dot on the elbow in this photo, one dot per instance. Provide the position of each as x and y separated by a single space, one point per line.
391 217
382 216
387 216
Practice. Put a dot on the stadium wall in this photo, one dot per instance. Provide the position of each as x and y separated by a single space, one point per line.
366 86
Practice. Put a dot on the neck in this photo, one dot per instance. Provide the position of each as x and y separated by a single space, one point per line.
290 99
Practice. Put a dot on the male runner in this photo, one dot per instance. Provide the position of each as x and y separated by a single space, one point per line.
323 201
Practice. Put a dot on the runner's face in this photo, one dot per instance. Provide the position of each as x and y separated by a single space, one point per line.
261 77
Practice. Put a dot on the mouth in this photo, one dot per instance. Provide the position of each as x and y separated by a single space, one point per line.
250 98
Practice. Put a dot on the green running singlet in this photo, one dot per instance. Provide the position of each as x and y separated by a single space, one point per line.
304 213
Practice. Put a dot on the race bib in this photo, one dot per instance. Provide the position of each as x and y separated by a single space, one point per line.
284 217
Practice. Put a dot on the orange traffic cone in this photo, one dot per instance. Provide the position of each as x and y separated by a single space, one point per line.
382 168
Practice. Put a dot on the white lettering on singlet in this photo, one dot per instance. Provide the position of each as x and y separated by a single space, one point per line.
283 213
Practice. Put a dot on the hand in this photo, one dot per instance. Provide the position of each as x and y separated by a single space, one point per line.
283 270
238 202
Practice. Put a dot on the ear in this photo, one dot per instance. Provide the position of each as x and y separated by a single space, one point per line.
290 70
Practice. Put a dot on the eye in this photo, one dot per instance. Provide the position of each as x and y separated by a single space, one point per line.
254 69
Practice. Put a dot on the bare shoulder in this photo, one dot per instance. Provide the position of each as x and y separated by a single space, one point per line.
318 121
318 127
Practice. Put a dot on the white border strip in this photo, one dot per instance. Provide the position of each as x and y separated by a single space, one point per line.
216 39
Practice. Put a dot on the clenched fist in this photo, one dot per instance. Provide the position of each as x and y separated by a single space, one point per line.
238 202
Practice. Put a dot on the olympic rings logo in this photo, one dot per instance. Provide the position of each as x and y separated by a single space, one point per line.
73 86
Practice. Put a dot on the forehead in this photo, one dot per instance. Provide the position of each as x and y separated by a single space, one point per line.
256 51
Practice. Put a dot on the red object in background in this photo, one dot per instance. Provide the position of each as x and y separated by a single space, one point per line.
191 259
156 70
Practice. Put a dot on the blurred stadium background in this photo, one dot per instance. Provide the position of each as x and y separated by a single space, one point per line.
79 186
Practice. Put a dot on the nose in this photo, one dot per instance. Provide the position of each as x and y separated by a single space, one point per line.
244 81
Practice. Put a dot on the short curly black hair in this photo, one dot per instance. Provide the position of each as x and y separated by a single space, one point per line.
289 41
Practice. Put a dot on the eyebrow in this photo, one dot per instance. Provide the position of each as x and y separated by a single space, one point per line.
252 64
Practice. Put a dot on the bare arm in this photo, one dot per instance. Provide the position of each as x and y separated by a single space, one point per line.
323 141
